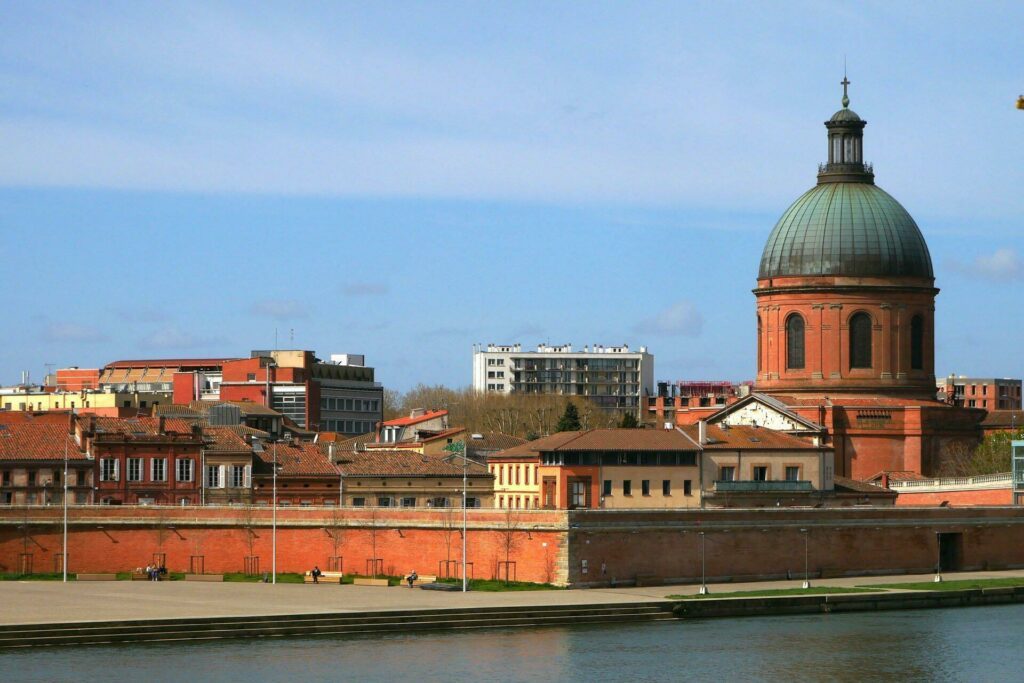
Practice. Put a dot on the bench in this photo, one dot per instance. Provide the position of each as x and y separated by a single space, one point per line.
421 579
204 577
96 577
325 577
143 576
366 581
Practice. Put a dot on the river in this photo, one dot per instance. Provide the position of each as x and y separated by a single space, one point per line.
968 644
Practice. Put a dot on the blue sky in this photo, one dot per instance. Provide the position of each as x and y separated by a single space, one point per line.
403 180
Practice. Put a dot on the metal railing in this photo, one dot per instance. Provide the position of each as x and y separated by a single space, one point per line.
762 486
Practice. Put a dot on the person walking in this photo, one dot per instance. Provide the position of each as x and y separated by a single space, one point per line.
316 574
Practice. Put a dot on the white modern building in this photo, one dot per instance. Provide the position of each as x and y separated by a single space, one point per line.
613 377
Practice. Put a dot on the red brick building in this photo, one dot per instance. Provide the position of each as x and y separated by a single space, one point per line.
32 464
845 319
143 460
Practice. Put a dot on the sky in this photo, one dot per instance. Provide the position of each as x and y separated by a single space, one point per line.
404 180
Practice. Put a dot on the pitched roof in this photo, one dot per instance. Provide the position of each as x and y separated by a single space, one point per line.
847 485
139 426
384 464
768 401
531 448
41 417
29 441
743 437
490 441
1009 419
303 459
233 439
406 421
627 440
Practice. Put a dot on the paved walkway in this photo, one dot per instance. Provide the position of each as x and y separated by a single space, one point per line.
34 602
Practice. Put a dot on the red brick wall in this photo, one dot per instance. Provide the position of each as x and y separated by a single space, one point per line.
108 539
958 498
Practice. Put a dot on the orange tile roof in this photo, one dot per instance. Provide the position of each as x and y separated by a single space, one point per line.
532 448
231 439
406 421
1004 418
628 440
29 441
138 426
744 437
304 459
384 464
46 416
493 441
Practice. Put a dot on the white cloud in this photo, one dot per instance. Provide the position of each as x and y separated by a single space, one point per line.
1002 265
679 319
280 309
73 332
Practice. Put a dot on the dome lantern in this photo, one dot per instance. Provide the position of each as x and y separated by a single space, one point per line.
845 146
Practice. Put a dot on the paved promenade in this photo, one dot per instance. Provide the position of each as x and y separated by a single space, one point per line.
34 602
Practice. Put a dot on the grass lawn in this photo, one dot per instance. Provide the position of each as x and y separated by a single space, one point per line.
496 586
954 585
54 576
239 577
774 592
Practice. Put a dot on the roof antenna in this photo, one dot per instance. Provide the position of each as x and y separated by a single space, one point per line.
845 82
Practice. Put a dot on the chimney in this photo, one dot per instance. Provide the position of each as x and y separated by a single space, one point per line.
92 424
702 432
160 424
71 422
885 480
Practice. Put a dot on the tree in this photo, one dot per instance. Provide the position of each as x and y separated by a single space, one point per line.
991 456
509 539
629 421
570 420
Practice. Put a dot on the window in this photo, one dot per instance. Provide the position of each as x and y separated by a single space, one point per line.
760 473
578 493
795 342
158 469
792 473
606 487
666 487
726 473
627 487
384 502
409 502
185 470
108 469
251 377
687 487
359 502
31 478
645 487
134 469
439 502
860 341
917 343
7 478
213 476
238 478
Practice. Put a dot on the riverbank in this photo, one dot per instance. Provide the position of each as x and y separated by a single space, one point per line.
133 611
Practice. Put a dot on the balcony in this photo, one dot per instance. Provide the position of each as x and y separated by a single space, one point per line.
763 486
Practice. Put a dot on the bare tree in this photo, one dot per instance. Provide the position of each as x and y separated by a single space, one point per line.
335 529
247 522
508 539
449 524
372 530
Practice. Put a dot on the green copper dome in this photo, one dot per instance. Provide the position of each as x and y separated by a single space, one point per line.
846 228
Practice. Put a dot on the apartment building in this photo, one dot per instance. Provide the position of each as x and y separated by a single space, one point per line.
612 377
990 393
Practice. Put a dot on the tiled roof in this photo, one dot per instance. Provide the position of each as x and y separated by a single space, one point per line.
230 439
378 463
896 475
1003 418
406 421
531 448
182 411
43 417
493 441
29 441
304 459
743 437
847 485
137 426
627 440
426 437
354 442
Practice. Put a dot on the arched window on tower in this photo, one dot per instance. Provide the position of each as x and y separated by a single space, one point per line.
795 342
860 340
917 343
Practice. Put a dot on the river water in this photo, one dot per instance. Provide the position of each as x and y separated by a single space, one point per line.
968 644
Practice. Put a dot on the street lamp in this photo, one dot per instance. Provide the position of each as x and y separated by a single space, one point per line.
807 576
273 535
938 557
64 545
703 573
458 450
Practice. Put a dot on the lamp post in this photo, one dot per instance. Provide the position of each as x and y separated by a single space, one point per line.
273 535
703 573
64 544
458 450
807 576
938 557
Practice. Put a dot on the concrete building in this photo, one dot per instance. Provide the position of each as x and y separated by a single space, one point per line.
990 393
689 401
612 377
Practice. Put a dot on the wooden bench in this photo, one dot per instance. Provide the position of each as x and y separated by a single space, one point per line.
366 581
325 577
422 578
96 577
204 577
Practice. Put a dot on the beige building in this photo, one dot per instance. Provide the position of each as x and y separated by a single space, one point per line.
402 478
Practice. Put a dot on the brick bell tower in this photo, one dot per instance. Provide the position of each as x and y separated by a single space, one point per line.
846 292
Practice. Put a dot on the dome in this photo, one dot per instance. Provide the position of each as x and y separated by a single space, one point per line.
846 228
845 114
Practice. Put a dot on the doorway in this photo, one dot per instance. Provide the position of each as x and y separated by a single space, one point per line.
950 551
